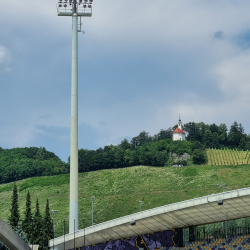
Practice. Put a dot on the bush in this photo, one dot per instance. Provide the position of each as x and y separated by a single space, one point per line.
199 156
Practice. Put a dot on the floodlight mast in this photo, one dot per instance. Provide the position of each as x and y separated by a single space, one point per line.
76 11
74 8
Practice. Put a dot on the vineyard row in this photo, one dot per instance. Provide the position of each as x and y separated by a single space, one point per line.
227 157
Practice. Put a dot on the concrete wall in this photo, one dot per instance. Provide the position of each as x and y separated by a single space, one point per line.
10 238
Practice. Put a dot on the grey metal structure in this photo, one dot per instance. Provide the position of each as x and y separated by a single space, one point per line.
10 238
76 9
54 219
92 198
140 202
194 212
222 186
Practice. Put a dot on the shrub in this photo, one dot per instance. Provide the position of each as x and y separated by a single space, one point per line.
199 157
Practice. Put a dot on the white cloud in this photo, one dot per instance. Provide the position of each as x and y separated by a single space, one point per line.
173 36
5 60
231 77
234 78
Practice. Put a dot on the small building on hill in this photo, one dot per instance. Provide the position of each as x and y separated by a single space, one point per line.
179 134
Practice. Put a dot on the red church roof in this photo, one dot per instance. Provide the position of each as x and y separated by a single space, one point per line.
177 130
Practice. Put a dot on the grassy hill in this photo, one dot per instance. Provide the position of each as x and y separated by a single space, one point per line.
22 163
118 191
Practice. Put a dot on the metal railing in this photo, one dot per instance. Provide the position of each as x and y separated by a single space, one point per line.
224 233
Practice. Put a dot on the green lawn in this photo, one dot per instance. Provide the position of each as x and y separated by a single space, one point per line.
118 191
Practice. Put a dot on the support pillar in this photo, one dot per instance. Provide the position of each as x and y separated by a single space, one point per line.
73 207
192 233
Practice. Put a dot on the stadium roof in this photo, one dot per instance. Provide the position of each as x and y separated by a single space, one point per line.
198 211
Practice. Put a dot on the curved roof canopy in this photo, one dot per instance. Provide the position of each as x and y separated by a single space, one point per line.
198 211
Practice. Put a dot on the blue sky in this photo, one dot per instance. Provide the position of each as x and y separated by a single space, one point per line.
141 64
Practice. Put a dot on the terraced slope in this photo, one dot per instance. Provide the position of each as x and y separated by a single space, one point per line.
217 157
118 191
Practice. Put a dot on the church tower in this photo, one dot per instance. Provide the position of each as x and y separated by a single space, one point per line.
180 123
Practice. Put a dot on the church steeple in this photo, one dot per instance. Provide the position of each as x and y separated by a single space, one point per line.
179 123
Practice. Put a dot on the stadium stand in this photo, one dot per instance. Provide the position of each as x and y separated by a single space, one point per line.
232 241
197 220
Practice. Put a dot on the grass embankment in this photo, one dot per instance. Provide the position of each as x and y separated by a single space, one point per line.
218 157
118 191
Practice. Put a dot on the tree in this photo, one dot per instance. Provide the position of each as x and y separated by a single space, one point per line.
84 160
199 157
248 142
21 233
124 144
27 223
208 139
213 128
190 128
37 226
141 139
242 144
196 145
48 227
235 134
20 163
40 154
201 128
223 134
163 134
15 214
216 140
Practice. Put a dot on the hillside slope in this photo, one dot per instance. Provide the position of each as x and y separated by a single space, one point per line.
118 191
21 163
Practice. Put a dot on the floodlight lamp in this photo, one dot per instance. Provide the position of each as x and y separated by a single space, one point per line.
220 201
91 1
84 6
60 5
65 5
85 1
89 6
132 222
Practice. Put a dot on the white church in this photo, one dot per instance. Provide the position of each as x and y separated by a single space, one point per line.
179 134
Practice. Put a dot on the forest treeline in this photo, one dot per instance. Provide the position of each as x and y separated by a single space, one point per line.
20 163
157 150
144 149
